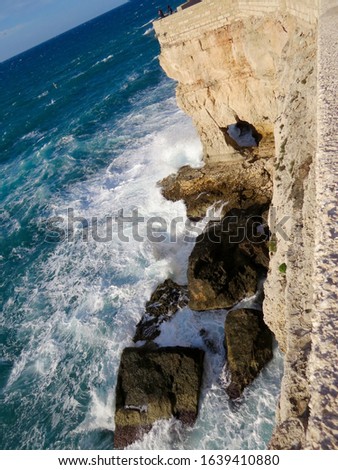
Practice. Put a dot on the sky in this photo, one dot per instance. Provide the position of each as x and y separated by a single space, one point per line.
27 23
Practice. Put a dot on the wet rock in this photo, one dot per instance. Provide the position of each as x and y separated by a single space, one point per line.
228 260
156 384
167 298
248 342
209 342
239 185
259 252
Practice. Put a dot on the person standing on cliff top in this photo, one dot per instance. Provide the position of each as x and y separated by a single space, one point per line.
160 14
170 10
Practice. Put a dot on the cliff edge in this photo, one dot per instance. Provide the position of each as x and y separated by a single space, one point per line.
272 65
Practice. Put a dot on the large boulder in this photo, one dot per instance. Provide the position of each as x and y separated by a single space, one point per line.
248 343
228 260
164 302
156 384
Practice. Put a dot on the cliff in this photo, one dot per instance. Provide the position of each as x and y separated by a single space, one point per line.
272 64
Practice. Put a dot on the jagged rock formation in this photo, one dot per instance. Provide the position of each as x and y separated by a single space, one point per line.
165 301
259 62
156 384
248 342
236 184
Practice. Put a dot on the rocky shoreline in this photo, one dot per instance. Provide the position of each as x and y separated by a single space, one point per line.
156 383
227 265
266 68
258 72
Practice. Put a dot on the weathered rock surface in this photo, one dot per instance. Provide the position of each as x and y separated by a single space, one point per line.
229 72
167 298
238 185
291 294
322 426
228 260
248 342
156 384
288 435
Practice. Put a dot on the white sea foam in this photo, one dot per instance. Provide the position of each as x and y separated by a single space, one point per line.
148 22
104 60
93 294
101 412
32 135
220 424
45 93
148 31
129 79
78 75
51 103
67 139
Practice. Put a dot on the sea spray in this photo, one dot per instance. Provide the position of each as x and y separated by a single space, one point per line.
70 307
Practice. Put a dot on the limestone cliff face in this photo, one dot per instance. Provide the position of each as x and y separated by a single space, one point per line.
263 69
289 296
227 72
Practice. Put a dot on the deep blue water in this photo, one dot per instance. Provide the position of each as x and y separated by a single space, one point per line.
89 122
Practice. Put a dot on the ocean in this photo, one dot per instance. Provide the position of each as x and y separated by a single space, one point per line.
89 125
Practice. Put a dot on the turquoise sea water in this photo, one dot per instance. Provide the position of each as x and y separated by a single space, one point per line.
89 123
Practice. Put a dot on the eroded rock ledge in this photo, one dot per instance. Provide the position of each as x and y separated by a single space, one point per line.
165 301
235 184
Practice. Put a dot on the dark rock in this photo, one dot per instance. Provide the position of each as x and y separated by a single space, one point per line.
253 303
153 385
248 342
259 253
228 260
210 344
126 434
167 298
246 127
